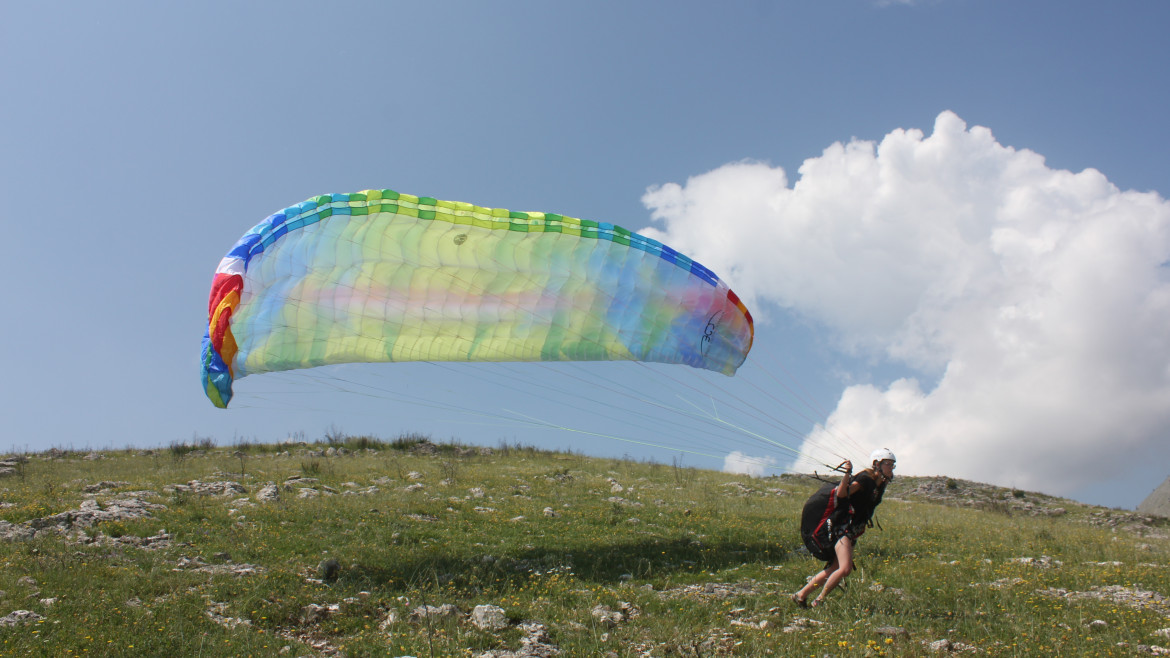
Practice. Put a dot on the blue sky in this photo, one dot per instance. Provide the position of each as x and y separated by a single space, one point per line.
947 216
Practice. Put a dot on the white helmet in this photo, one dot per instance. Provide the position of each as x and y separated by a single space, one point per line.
882 454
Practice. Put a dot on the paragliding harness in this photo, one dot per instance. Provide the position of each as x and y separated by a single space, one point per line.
821 523
816 522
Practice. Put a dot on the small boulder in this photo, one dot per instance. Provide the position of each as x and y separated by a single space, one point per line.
606 616
489 618
314 613
17 617
328 570
445 611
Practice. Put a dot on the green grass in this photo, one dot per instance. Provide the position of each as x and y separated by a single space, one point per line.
690 553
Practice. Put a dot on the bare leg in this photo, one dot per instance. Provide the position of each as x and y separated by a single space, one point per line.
816 581
844 564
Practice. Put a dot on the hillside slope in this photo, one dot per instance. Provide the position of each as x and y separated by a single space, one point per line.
362 547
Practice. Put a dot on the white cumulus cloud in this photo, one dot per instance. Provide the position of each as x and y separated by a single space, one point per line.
738 462
1035 301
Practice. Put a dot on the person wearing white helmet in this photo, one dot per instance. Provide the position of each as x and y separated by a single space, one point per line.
846 518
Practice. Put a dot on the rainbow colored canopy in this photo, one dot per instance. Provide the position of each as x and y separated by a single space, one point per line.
379 276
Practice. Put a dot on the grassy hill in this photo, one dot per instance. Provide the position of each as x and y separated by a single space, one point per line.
360 547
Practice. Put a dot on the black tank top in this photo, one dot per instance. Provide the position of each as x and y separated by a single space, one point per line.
857 510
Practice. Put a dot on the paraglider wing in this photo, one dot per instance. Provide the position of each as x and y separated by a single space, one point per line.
379 276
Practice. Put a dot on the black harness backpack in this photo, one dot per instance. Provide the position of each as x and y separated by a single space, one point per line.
816 522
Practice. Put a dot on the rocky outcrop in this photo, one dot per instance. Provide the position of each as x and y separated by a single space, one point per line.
88 513
1158 502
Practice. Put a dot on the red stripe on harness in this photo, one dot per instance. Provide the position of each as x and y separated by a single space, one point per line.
832 505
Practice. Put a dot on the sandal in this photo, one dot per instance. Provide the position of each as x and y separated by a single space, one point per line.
816 602
799 601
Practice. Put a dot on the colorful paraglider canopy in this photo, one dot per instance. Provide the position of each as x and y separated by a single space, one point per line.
379 276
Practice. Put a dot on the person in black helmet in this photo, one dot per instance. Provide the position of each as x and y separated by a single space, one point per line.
857 497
